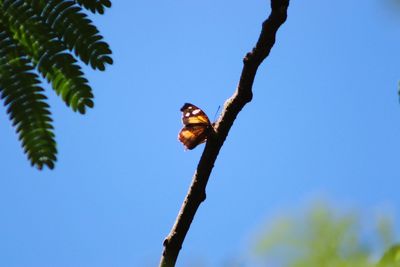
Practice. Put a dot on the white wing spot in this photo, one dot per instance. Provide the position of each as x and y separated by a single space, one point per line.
187 114
197 111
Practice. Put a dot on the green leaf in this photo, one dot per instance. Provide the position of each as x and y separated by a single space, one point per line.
391 258
95 5
24 99
48 54
77 31
38 36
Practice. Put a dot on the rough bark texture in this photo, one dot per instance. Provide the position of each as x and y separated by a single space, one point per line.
232 107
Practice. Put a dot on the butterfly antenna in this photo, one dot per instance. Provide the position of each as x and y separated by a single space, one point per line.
216 113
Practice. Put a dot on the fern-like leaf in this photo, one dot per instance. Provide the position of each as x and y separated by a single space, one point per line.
95 5
75 29
24 99
35 35
48 54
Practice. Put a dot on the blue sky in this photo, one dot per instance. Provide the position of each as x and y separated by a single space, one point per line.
324 121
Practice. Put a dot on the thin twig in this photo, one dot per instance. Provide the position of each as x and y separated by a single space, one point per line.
232 107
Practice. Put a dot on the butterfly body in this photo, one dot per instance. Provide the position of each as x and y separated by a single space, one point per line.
196 127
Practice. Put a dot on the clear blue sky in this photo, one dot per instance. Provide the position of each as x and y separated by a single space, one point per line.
325 120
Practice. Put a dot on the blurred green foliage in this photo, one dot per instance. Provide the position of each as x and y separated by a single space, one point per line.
391 258
325 237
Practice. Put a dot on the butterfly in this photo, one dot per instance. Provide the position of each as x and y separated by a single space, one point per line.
196 127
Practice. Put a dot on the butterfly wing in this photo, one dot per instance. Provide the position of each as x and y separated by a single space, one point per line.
193 115
191 136
196 126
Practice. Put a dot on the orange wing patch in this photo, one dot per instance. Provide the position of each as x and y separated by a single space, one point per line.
196 126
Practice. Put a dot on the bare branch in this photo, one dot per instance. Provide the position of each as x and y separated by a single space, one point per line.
232 107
